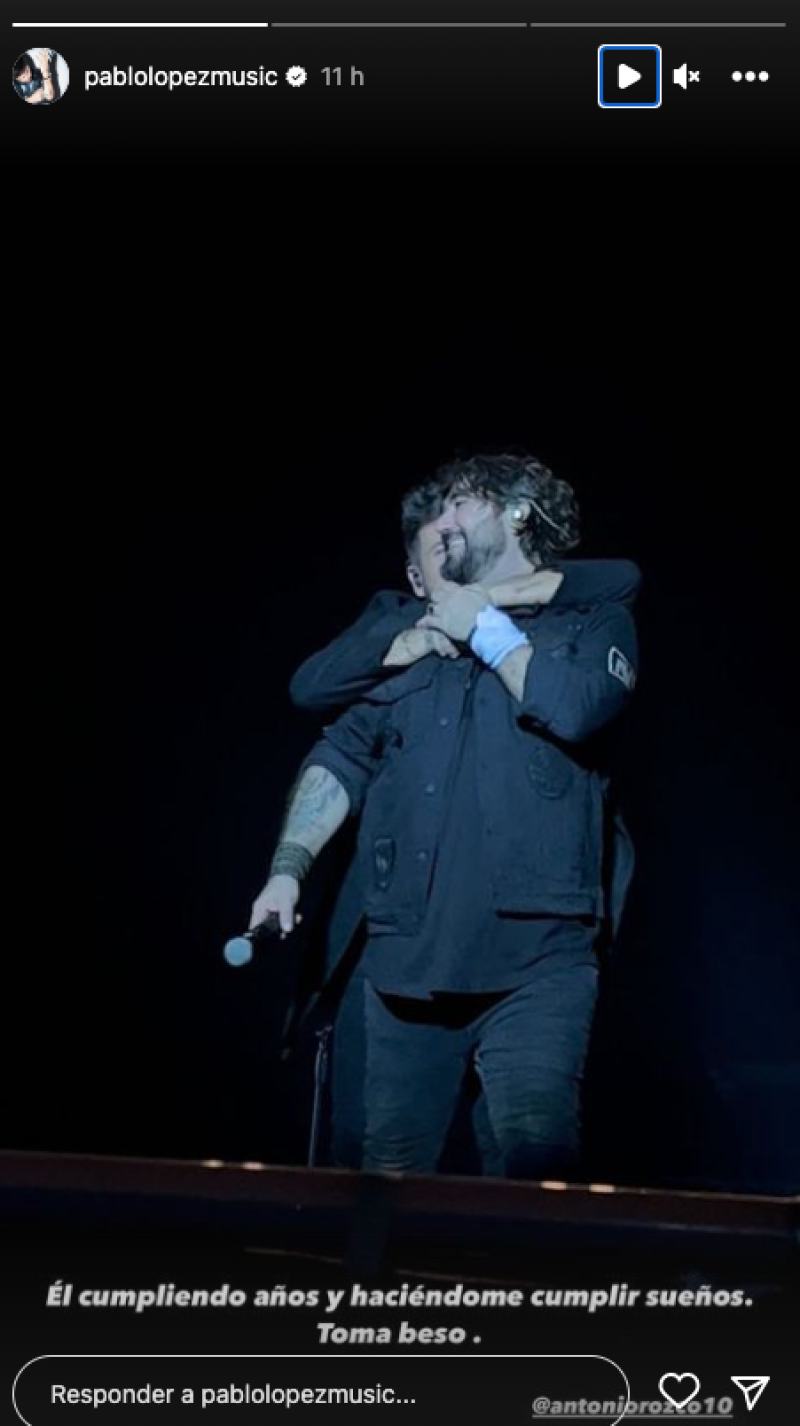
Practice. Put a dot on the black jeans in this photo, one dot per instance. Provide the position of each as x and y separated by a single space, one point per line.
528 1047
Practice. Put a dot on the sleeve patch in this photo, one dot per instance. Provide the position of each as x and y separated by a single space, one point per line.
621 668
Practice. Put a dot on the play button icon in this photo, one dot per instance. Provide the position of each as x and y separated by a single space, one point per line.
629 76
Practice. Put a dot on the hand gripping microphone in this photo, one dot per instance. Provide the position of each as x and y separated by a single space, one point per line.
239 950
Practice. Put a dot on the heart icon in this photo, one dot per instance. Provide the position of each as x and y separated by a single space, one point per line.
679 1401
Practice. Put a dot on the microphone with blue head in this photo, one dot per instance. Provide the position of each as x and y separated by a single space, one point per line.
239 950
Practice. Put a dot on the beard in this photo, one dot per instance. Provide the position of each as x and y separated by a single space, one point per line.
469 558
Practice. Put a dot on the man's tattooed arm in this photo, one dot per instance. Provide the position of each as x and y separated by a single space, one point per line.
318 805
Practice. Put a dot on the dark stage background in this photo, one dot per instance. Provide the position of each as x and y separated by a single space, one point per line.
242 322
243 470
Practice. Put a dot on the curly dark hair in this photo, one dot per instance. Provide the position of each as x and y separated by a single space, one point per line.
553 523
419 506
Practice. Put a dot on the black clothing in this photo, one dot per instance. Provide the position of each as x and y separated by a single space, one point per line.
527 1048
352 663
539 772
515 931
460 926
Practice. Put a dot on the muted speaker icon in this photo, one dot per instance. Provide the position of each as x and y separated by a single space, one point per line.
679 76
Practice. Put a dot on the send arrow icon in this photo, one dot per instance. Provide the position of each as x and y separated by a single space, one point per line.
627 76
751 1388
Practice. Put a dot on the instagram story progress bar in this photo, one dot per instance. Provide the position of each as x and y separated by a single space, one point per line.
403 25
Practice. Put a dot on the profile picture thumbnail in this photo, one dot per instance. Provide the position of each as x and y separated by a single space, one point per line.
40 76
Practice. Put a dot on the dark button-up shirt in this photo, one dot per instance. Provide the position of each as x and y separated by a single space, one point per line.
464 945
416 761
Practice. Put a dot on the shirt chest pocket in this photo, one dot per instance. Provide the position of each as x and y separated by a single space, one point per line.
549 771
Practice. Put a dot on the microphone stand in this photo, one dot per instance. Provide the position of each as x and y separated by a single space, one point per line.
321 1066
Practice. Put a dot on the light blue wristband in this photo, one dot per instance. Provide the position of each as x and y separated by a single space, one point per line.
495 636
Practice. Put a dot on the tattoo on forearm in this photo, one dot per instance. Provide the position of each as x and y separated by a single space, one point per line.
317 807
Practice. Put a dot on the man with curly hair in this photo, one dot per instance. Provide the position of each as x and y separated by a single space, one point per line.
481 781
